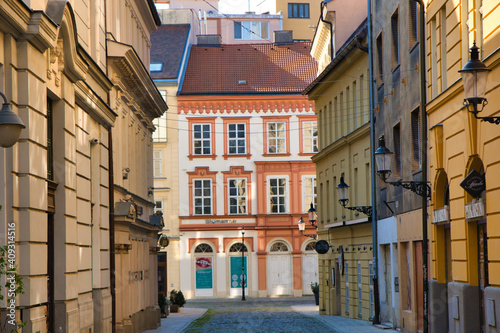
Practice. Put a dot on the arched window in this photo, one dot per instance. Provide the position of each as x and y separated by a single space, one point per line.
311 246
279 247
238 247
203 248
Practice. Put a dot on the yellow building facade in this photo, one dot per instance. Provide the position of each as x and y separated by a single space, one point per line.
464 284
340 93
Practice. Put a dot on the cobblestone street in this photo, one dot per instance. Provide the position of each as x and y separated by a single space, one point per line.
284 314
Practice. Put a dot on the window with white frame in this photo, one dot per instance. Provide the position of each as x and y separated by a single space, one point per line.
202 139
276 141
236 134
202 196
159 206
277 195
160 133
237 196
246 30
310 136
309 189
157 163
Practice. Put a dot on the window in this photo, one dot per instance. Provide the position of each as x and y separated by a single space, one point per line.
310 136
156 67
247 30
310 246
237 196
276 143
380 60
298 10
202 139
395 39
236 138
203 197
415 138
396 133
279 247
360 292
346 271
277 195
309 184
159 206
157 163
413 22
160 133
203 248
238 247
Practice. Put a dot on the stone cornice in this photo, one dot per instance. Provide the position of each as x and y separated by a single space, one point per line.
85 96
135 77
356 135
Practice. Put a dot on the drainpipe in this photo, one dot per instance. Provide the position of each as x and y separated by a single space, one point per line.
376 299
112 265
322 5
423 147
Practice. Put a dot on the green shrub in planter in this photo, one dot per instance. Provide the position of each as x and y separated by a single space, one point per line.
177 298
163 303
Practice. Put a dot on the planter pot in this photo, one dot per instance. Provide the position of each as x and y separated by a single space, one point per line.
316 298
174 308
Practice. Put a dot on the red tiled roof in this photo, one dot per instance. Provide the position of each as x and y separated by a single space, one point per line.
266 68
167 47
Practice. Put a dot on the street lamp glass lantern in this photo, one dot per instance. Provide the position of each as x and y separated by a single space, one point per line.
383 159
474 77
343 192
312 213
10 125
301 224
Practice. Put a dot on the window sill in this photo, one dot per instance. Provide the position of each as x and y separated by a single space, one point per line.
308 154
272 155
191 157
227 156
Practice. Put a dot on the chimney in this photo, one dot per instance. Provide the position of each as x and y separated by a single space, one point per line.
208 40
283 37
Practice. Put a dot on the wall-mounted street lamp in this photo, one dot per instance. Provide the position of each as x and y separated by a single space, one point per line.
474 78
10 125
343 192
383 161
312 215
302 228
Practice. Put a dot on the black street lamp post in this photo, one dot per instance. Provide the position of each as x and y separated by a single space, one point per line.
312 220
243 263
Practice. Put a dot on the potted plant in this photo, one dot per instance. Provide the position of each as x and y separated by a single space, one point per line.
315 290
177 299
163 303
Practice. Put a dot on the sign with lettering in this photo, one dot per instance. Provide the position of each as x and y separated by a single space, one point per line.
475 210
219 221
441 215
474 184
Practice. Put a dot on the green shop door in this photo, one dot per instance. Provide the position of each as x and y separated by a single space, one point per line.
236 275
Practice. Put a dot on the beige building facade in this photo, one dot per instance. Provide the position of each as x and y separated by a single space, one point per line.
70 69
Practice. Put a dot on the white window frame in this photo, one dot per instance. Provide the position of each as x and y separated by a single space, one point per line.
202 196
157 163
250 30
158 208
202 139
237 196
160 133
306 202
236 139
284 195
313 146
275 138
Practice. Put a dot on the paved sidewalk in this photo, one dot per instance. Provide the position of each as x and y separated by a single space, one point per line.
341 324
176 322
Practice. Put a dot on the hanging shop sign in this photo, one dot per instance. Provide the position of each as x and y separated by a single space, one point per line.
474 184
322 246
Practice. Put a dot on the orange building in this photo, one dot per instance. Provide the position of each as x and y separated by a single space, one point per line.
246 136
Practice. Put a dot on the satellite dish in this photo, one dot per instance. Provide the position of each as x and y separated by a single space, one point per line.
164 241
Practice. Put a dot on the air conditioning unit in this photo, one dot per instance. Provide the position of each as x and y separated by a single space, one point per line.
283 37
208 40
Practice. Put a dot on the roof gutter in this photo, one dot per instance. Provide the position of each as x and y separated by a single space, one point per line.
323 5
